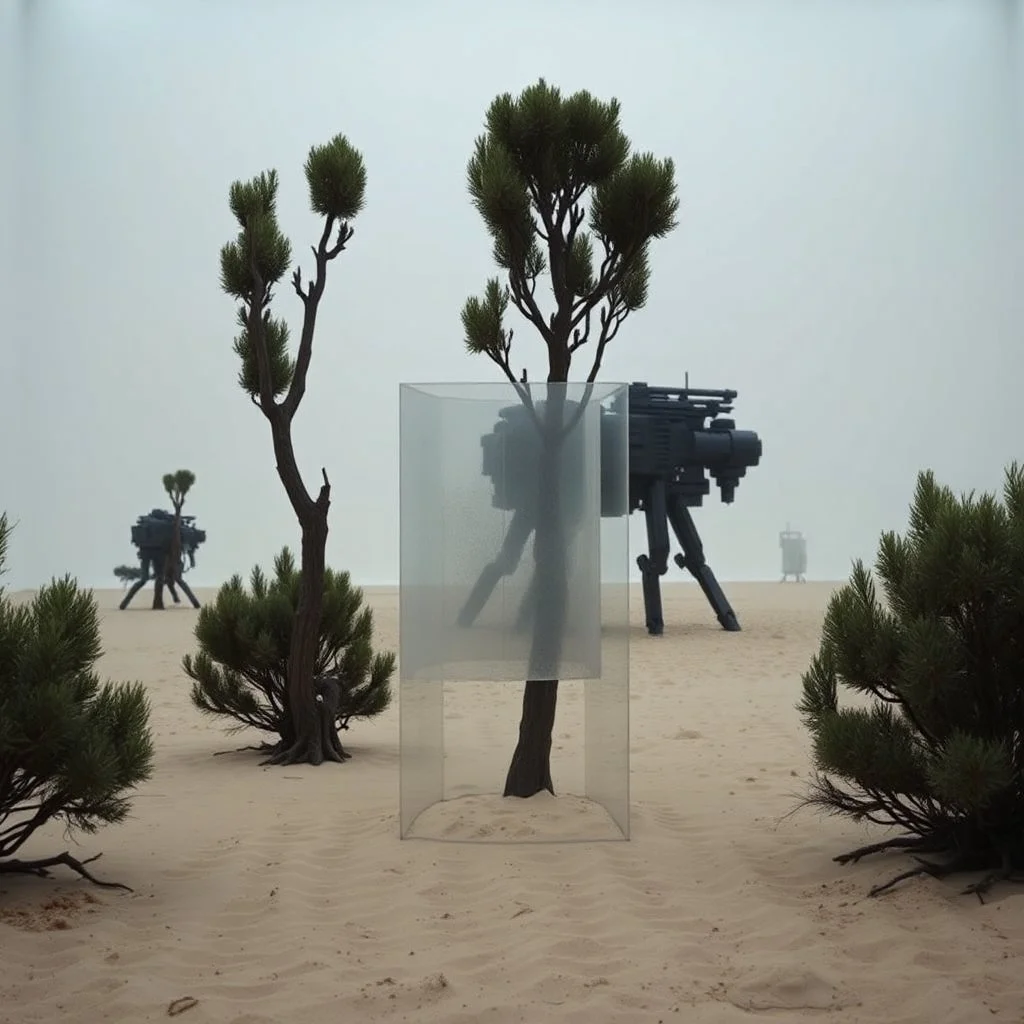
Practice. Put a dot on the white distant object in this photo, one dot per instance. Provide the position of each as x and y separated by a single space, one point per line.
794 554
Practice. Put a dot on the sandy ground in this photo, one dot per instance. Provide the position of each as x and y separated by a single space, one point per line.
268 896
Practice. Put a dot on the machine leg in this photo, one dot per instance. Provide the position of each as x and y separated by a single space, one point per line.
527 606
654 564
692 559
505 564
136 586
188 591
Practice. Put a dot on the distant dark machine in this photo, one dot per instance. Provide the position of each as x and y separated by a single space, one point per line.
677 439
153 535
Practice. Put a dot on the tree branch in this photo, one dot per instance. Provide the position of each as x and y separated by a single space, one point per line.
580 338
297 284
575 220
558 261
614 268
501 359
557 256
523 299
311 304
345 234
324 497
611 321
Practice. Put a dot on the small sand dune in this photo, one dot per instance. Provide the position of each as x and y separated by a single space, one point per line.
543 818
267 896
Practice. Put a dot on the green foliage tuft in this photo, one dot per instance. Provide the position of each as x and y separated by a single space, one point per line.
244 637
177 485
260 248
282 365
71 746
259 256
336 177
938 750
636 203
482 321
252 264
542 157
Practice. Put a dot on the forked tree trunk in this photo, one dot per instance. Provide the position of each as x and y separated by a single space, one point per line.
530 770
315 737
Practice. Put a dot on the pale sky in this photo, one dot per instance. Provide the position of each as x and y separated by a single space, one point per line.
849 253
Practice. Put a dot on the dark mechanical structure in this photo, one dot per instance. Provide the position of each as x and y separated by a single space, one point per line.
680 439
153 536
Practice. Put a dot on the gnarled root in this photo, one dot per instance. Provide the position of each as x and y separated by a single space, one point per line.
323 744
261 748
1006 872
917 844
311 751
924 867
962 860
42 867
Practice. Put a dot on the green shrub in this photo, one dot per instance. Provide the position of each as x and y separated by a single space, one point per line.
938 750
70 746
241 669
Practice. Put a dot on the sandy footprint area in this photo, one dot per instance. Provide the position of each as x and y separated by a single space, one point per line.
266 896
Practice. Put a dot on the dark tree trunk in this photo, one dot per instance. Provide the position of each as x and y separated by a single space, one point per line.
158 589
530 770
315 738
306 638
172 563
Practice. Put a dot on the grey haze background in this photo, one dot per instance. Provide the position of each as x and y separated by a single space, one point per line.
848 257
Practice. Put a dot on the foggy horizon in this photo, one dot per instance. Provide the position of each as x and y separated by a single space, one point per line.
848 257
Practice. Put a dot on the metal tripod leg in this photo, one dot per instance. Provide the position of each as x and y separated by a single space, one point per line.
692 559
188 592
654 565
527 606
505 564
136 586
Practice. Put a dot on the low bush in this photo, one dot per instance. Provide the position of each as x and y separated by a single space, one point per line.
241 669
936 748
71 746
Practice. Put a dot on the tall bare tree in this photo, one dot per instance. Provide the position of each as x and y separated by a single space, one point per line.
251 266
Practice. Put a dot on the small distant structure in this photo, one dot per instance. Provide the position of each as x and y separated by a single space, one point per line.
153 536
794 555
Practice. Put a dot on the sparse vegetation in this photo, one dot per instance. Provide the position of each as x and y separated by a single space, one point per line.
939 750
71 746
245 637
